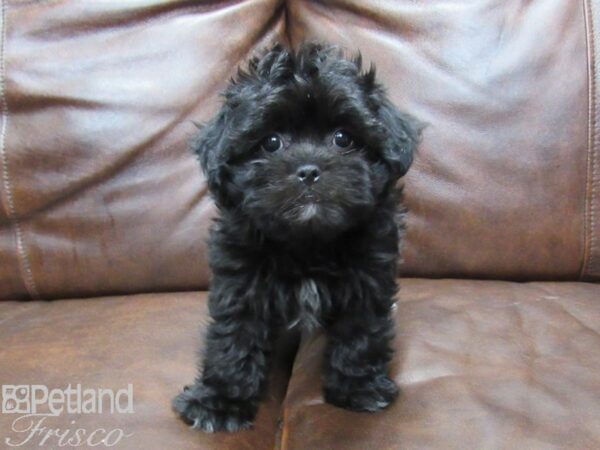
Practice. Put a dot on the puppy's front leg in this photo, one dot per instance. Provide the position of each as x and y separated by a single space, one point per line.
357 360
226 395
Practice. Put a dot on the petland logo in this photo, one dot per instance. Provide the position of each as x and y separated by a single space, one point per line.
37 405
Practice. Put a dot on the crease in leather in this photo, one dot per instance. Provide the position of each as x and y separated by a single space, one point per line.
23 257
146 14
281 429
108 171
134 152
591 258
579 321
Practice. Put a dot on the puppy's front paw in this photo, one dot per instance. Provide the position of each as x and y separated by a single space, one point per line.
194 409
362 394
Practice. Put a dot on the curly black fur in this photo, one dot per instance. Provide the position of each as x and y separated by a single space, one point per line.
286 251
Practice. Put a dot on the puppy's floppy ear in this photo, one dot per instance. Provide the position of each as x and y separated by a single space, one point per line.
403 135
208 144
402 132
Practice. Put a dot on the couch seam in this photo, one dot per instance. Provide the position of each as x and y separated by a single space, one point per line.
590 239
282 431
594 156
286 23
590 125
22 255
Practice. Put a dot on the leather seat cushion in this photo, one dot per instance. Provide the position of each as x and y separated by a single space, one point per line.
150 341
480 364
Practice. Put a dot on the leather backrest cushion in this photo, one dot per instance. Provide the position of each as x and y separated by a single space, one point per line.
100 194
106 197
498 188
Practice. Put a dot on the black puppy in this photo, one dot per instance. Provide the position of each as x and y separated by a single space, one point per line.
302 160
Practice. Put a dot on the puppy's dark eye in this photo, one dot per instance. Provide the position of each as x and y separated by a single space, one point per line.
342 139
271 143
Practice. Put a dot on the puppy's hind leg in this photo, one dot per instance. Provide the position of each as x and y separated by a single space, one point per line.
226 395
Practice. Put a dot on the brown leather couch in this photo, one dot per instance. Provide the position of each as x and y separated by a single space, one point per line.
104 211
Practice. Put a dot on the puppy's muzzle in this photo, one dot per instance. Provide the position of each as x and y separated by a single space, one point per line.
309 174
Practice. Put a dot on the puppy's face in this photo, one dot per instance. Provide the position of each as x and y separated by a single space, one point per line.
306 145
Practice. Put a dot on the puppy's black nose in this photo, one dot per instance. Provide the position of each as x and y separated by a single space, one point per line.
308 174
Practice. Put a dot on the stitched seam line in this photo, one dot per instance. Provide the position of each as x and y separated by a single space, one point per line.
588 222
24 265
586 199
593 153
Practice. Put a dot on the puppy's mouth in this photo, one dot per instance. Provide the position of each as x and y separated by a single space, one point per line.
309 195
305 208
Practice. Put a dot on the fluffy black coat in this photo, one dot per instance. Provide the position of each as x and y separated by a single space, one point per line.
303 161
